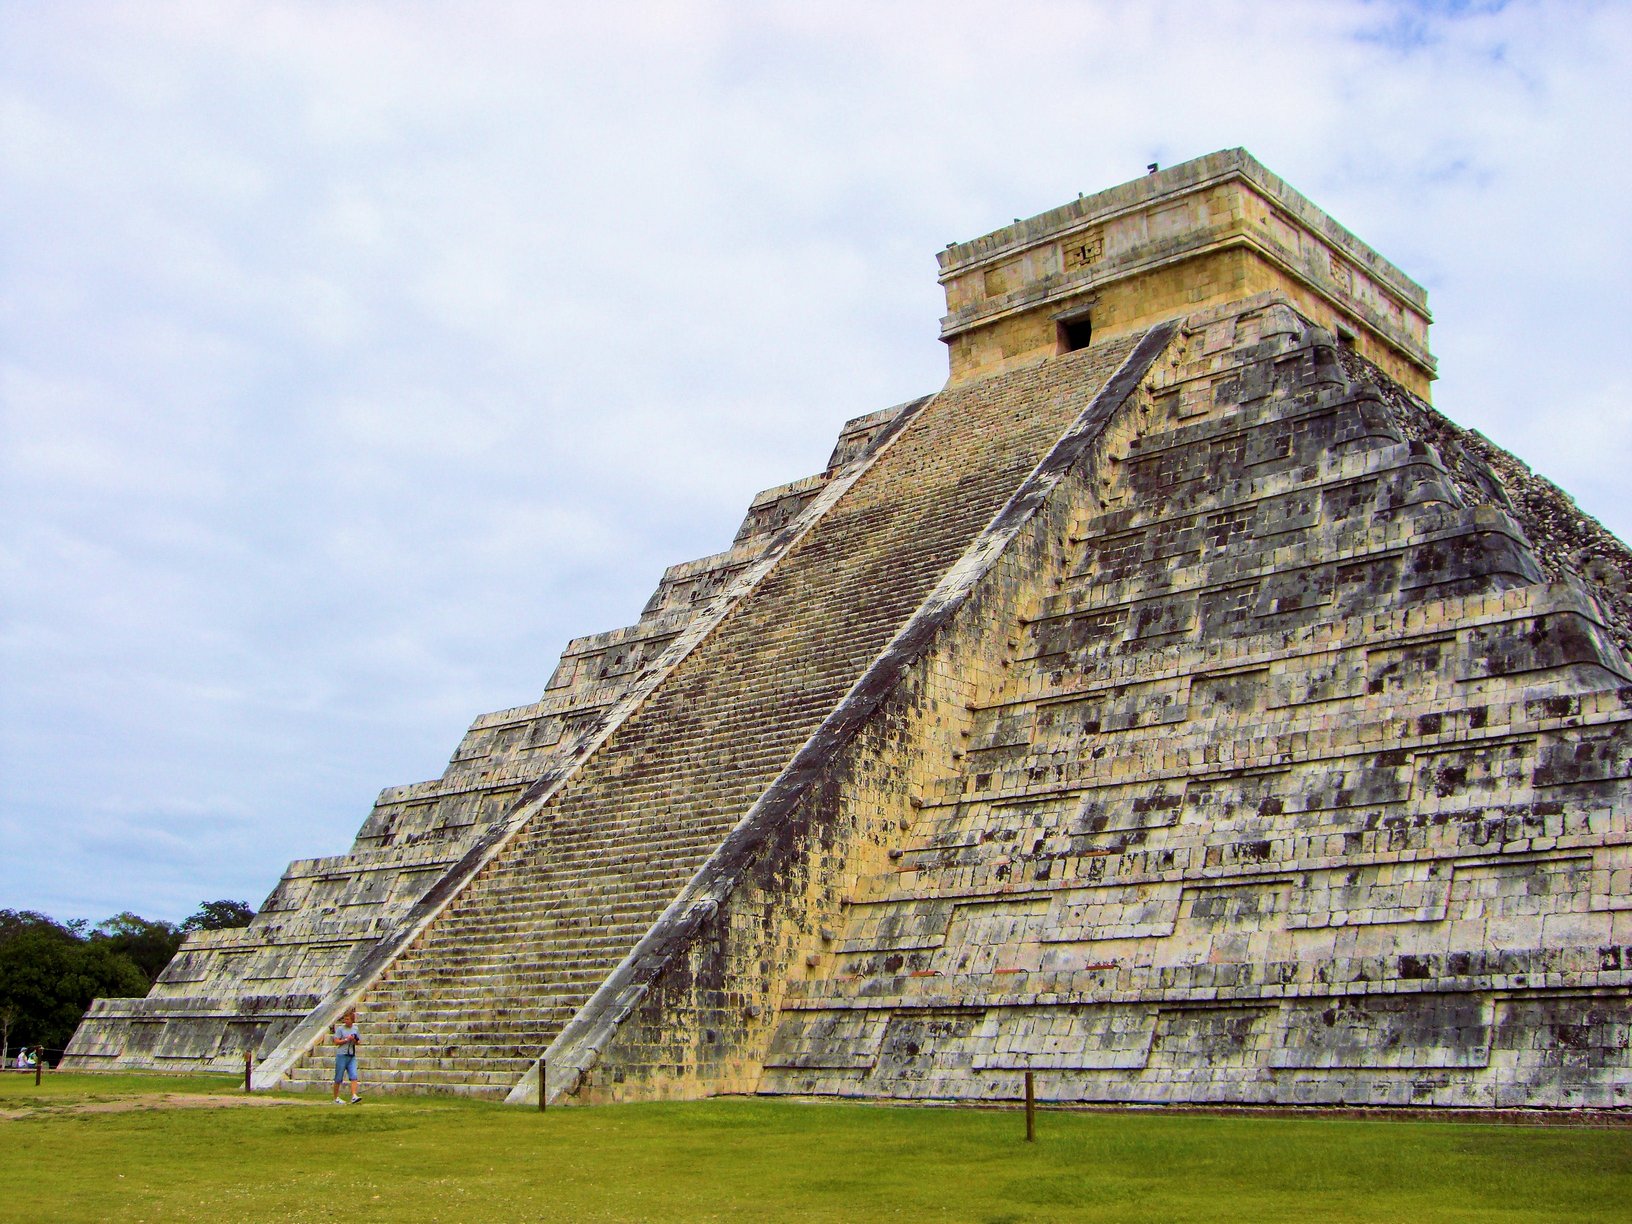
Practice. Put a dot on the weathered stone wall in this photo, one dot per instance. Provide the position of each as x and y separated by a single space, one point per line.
690 1012
1569 545
1305 786
1267 765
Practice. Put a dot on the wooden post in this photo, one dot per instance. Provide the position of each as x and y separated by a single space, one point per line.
249 1070
1031 1110
543 1087
39 1064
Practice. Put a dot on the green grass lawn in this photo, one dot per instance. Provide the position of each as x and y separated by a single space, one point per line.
406 1160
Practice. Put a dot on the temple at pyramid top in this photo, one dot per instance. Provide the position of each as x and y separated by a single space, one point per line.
1174 707
1217 229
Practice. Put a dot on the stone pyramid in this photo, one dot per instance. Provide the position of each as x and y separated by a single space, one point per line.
1175 706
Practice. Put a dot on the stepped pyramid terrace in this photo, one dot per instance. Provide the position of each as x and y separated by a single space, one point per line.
1174 705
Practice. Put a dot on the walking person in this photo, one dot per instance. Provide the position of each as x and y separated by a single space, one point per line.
345 1055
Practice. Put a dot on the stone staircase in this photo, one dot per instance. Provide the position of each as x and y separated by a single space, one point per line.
498 983
233 991
482 991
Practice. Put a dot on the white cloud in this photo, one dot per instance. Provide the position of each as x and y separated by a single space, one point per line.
356 355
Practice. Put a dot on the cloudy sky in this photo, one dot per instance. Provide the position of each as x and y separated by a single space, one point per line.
354 356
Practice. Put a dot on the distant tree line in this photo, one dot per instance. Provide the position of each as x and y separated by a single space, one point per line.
50 971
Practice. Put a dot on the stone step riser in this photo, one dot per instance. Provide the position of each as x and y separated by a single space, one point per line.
580 887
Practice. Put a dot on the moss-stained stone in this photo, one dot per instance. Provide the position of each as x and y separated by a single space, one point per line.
1301 779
